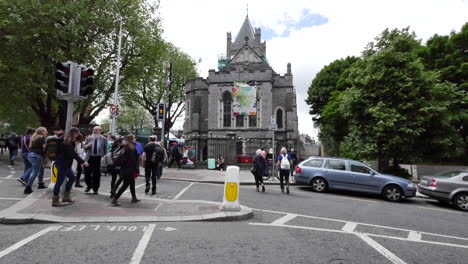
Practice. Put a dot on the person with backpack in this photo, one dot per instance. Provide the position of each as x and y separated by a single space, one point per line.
95 147
13 144
113 169
258 169
129 169
284 166
65 155
36 156
25 148
175 154
153 158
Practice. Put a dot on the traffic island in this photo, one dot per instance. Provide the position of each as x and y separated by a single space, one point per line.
36 208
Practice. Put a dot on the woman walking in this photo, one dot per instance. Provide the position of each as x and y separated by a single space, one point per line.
65 155
36 156
82 154
259 168
129 169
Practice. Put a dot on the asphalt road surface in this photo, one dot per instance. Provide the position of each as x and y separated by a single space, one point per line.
303 227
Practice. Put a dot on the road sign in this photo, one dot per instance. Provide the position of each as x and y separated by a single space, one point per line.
114 109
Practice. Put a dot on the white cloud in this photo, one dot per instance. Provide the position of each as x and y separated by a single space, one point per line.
199 28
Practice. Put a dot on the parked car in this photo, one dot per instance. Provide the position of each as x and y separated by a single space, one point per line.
447 187
322 174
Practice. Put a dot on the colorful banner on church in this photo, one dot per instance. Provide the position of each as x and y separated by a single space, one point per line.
244 99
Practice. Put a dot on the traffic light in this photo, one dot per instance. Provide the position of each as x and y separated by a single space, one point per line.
86 81
161 111
63 77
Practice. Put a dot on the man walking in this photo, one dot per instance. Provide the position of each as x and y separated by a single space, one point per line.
13 144
153 157
96 148
175 153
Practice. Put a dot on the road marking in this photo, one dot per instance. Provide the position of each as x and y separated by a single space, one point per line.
414 236
284 219
365 224
27 240
349 227
1 181
140 250
157 207
136 187
9 177
440 210
421 241
385 252
183 191
6 198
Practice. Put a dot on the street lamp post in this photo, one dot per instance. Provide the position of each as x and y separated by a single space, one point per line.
117 71
168 105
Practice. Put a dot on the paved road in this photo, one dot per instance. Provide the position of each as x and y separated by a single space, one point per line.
303 227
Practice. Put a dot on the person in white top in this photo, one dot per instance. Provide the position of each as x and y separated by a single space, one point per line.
81 152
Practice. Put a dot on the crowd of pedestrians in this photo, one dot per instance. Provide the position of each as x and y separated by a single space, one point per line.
74 154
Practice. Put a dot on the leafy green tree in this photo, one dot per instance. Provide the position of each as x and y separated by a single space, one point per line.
322 98
35 35
393 103
132 118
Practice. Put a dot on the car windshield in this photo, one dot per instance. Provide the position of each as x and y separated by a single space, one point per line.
450 174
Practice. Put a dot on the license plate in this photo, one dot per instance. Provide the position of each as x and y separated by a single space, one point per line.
423 182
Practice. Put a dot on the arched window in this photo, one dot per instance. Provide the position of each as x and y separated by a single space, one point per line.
279 118
227 103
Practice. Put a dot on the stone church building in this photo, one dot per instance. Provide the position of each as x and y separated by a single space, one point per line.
231 111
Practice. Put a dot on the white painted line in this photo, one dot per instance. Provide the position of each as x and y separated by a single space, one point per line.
385 252
302 227
15 199
420 241
365 224
136 187
27 240
414 236
183 191
440 210
9 177
284 219
349 227
140 250
1 181
157 207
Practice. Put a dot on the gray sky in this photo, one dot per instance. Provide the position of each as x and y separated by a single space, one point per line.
310 34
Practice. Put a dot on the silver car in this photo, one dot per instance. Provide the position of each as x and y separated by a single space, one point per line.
447 187
336 173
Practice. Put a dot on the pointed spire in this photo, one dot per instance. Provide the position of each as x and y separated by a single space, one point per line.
245 31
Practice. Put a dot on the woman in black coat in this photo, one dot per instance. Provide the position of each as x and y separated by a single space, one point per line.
259 167
129 169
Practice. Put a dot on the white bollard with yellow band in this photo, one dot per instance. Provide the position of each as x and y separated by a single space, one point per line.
231 190
53 176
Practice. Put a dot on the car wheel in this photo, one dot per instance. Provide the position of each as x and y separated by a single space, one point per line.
319 184
461 201
393 193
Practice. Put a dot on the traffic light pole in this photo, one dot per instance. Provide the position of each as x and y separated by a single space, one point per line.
74 86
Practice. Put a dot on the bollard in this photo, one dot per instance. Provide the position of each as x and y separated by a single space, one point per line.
231 190
53 176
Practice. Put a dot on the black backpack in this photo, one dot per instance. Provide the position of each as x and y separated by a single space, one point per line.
118 156
158 155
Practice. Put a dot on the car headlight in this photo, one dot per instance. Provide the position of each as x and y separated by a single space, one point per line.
410 186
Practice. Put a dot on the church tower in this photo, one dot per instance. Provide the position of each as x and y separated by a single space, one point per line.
230 113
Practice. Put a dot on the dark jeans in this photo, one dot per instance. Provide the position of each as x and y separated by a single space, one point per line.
13 154
258 178
114 172
27 164
128 180
93 173
63 172
151 173
284 175
79 170
177 159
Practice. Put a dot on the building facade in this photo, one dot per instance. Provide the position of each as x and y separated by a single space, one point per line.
230 112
